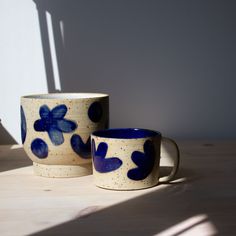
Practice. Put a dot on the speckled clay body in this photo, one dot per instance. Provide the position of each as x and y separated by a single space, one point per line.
56 131
127 159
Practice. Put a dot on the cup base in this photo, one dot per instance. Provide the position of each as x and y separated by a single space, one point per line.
62 171
126 188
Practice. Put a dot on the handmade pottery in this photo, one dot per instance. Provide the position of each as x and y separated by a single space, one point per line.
56 128
127 159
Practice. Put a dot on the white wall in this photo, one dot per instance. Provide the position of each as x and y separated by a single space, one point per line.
21 60
168 65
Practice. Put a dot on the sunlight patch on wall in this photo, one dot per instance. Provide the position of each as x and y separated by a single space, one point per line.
53 50
22 70
62 31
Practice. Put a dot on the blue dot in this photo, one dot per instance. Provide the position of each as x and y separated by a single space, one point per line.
39 148
95 112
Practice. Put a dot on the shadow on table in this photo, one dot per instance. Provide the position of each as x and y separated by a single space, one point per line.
5 137
13 157
193 206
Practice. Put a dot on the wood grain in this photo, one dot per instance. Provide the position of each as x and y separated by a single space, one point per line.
201 201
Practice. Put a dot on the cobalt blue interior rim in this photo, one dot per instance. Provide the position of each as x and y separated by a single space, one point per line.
126 133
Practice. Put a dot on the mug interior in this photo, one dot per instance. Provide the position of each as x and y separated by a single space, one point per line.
126 133
66 96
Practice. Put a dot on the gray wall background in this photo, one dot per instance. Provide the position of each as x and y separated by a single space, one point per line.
168 65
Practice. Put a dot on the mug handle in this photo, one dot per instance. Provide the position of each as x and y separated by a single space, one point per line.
176 158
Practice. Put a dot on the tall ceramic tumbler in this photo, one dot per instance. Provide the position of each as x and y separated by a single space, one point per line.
56 128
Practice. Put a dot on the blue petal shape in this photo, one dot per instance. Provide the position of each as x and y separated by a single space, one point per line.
44 111
66 126
144 161
54 123
40 126
81 148
23 125
102 164
95 112
39 148
56 136
59 111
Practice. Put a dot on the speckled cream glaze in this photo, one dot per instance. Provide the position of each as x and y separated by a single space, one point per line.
123 149
62 171
63 155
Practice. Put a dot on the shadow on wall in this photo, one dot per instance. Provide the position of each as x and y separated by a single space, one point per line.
155 57
5 137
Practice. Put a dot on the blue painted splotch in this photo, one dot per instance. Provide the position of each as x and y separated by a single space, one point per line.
79 147
144 161
23 125
54 123
39 148
101 163
95 112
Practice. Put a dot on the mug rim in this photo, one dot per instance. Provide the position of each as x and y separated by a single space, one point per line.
65 96
133 133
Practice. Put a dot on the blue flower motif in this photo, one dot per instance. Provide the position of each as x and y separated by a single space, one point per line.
23 125
54 123
144 161
81 148
101 163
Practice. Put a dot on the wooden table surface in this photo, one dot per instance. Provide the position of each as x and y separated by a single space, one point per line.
201 201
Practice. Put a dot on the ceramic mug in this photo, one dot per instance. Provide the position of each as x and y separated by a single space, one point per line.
56 128
128 159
